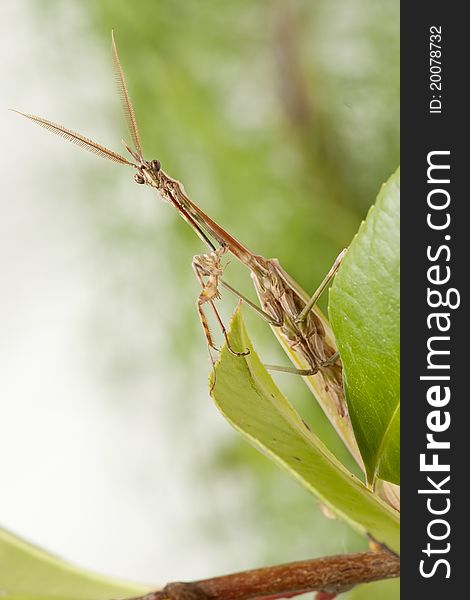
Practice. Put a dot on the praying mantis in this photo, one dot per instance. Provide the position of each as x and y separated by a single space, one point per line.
294 317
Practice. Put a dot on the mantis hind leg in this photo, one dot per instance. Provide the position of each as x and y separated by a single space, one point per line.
321 288
264 315
292 370
329 362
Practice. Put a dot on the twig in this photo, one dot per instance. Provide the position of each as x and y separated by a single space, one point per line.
333 574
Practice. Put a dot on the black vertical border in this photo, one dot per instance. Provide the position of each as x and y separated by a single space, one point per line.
422 132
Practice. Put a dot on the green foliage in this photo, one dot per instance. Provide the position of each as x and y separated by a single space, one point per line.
248 398
365 314
29 573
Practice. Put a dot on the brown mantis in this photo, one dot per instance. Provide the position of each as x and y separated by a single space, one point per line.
297 322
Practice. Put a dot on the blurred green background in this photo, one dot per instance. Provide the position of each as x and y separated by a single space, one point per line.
281 119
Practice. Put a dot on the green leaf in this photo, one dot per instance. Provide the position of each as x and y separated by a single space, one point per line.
365 315
249 399
29 573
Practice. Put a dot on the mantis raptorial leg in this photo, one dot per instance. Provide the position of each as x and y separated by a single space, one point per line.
208 271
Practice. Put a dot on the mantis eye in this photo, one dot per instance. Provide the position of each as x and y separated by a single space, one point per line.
139 179
155 164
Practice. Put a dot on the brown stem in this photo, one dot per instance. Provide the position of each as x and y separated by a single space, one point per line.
333 574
